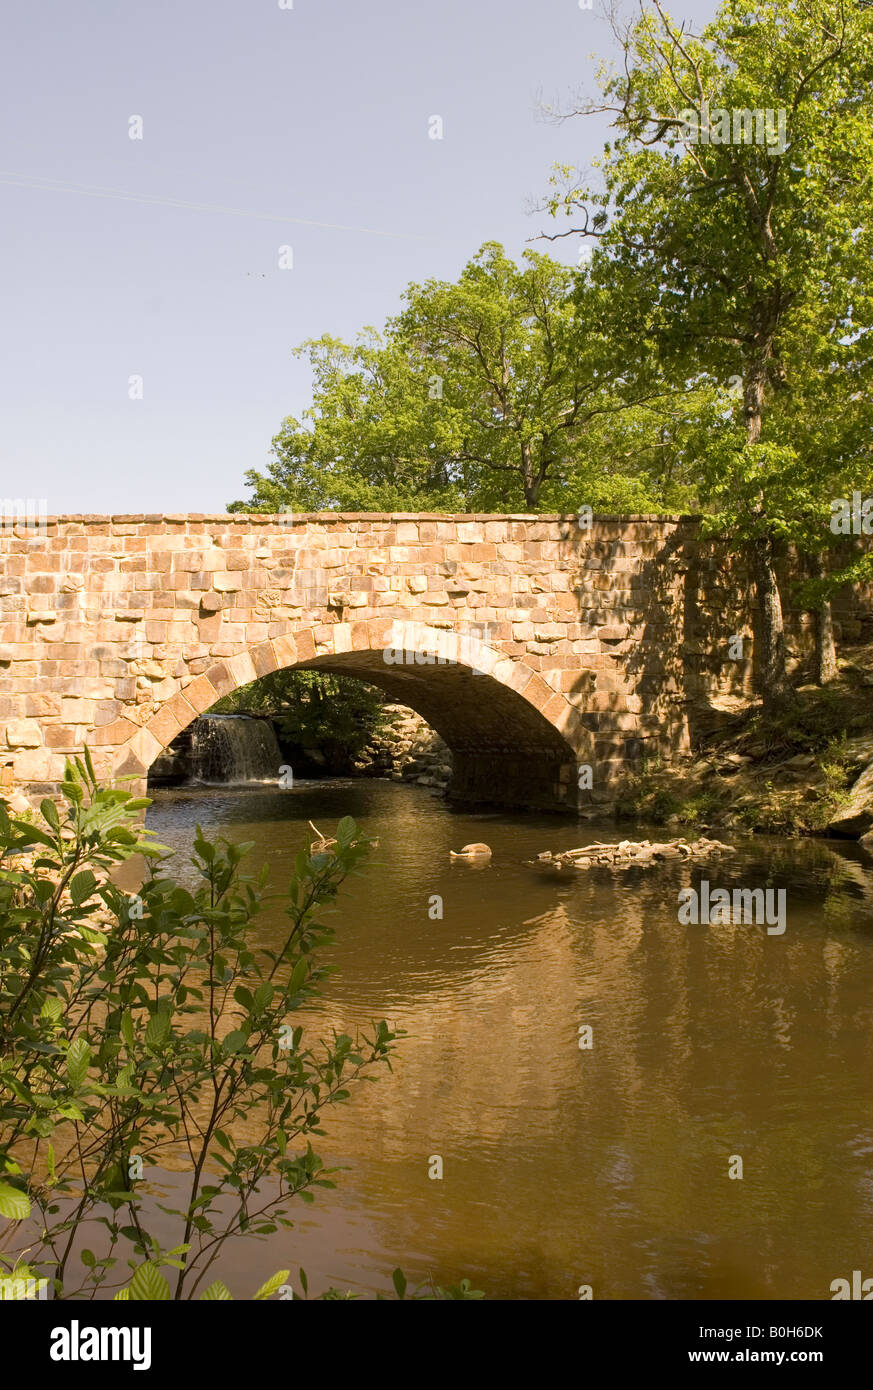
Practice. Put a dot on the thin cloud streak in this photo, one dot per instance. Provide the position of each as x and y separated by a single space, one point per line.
39 183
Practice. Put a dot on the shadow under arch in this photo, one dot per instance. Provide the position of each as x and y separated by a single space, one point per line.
515 740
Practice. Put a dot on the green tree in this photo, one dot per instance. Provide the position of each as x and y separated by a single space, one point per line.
528 369
738 246
497 391
826 419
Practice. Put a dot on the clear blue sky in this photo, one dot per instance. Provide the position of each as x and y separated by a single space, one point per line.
317 113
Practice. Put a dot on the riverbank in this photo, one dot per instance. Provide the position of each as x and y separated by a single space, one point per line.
405 748
808 772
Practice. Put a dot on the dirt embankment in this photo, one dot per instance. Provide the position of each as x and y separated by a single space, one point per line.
807 772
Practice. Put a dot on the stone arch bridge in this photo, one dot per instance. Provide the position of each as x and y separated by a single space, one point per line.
532 644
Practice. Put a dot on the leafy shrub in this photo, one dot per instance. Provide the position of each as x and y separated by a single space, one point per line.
139 1027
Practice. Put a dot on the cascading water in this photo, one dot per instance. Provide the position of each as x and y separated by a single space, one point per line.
234 748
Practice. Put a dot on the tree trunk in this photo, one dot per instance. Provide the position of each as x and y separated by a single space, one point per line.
529 479
776 689
753 401
825 647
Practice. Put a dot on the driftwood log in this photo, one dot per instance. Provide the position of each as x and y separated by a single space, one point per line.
629 853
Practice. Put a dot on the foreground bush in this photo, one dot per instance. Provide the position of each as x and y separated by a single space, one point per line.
136 1028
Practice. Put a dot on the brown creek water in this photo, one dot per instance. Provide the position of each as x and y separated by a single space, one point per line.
565 1167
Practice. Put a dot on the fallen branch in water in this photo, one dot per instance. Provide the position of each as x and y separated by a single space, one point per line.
629 852
323 842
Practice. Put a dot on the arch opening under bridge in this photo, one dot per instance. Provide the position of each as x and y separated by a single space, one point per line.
489 711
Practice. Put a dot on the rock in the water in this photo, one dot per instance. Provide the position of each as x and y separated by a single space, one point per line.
474 851
628 853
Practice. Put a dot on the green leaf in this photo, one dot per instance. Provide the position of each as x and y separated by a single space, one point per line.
88 1258
148 1285
263 997
78 1059
217 1292
14 1205
157 1029
127 1029
89 765
82 886
298 975
273 1283
398 1279
31 835
52 1008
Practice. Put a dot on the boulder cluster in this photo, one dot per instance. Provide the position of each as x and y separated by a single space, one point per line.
406 749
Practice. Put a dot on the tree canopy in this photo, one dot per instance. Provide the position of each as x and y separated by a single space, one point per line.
503 390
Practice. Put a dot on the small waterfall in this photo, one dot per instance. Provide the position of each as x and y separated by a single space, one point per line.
234 748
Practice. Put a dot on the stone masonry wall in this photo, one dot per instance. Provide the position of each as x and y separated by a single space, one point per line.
116 632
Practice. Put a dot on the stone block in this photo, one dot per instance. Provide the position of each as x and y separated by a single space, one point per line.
287 651
242 669
164 726
31 766
23 733
305 645
43 706
77 710
225 583
264 657
200 694
64 737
